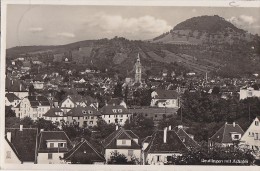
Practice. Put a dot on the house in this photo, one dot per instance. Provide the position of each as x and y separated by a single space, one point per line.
123 142
84 116
117 101
84 153
115 114
251 137
55 115
20 145
164 145
11 99
52 145
72 101
33 107
246 92
38 83
227 135
165 98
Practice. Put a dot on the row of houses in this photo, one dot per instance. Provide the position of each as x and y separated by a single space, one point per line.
26 145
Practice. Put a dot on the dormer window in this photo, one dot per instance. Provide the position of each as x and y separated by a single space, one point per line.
90 112
120 110
84 112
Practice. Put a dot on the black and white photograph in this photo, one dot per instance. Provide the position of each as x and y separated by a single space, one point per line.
113 84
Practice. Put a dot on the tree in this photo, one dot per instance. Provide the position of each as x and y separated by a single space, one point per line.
215 90
118 90
81 158
27 122
9 112
45 124
141 125
117 158
31 90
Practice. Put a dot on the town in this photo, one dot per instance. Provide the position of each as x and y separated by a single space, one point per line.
61 112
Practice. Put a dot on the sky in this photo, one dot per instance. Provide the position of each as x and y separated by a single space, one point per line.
63 24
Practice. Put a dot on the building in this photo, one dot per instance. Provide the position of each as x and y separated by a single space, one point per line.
52 145
38 83
84 153
84 116
115 114
34 107
163 147
55 115
15 86
20 145
246 92
117 101
138 70
123 142
11 99
165 98
251 137
228 135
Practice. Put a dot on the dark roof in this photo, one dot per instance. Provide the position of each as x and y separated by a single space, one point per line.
14 85
78 98
189 142
52 112
166 94
121 133
38 101
13 148
86 149
52 135
11 97
83 111
24 142
108 110
147 139
153 110
223 135
173 143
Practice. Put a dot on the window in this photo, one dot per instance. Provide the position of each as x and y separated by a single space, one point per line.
109 116
130 152
256 123
92 117
123 142
8 154
155 116
86 117
256 136
249 93
249 133
121 116
169 158
91 122
108 121
158 158
236 137
115 151
121 120
51 145
61 145
49 155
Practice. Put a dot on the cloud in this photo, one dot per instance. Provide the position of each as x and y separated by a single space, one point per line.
116 24
242 20
36 29
66 34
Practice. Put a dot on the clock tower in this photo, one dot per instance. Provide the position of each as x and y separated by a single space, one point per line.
138 70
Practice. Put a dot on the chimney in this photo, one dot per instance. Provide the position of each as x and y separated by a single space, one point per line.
41 130
170 127
20 87
8 136
116 127
21 127
165 135
234 124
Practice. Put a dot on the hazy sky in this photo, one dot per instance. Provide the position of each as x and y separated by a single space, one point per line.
56 24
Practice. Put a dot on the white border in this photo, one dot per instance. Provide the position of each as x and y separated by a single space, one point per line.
185 3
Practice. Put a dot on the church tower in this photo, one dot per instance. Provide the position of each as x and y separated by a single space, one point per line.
138 70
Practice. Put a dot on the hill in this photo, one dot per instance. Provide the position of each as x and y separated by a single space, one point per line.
193 45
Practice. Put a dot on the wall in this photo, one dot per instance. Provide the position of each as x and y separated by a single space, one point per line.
43 158
152 158
112 118
136 153
14 159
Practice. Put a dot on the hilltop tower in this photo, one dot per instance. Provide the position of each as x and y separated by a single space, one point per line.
138 70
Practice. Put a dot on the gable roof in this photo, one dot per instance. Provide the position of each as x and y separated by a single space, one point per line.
85 148
223 134
189 142
83 111
166 94
52 135
109 110
52 112
121 133
173 143
38 101
24 142
11 97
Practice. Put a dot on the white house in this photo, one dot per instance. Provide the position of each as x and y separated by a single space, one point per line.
115 114
33 107
165 98
246 92
52 145
163 147
251 137
55 115
11 99
123 142
227 135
